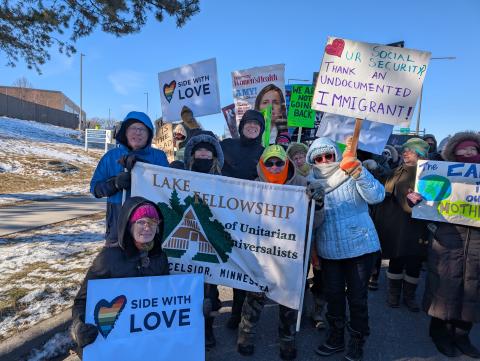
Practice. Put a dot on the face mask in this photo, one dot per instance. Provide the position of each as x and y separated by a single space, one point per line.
202 165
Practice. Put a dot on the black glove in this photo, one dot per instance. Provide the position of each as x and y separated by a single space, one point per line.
123 180
128 161
316 193
84 333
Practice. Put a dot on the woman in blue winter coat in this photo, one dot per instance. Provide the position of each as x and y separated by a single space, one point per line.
112 175
346 241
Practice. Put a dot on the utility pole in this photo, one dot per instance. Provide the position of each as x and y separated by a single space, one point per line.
81 92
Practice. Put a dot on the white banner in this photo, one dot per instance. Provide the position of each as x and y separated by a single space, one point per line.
238 233
378 82
373 135
194 85
136 315
259 87
451 192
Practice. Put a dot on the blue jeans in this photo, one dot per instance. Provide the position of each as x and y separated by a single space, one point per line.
347 279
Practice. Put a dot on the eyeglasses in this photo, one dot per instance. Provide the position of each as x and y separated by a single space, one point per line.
328 157
137 129
150 223
278 163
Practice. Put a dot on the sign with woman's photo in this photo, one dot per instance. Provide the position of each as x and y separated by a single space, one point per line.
259 87
450 191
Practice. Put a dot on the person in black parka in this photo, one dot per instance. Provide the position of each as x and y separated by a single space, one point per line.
140 230
241 159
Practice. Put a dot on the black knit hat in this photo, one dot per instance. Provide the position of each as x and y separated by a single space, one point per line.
205 145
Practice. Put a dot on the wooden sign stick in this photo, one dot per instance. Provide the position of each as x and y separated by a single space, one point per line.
356 135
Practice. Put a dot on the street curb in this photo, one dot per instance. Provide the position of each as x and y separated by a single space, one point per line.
20 345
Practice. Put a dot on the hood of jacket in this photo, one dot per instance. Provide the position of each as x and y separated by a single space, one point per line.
448 152
125 239
291 175
434 140
321 146
203 136
141 117
259 119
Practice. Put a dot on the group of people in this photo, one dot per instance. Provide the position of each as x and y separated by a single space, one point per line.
363 206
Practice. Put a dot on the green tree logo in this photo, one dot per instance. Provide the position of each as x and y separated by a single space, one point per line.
192 223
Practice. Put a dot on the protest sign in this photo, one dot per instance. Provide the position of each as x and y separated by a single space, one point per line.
373 135
256 88
229 114
135 315
164 141
300 113
194 85
451 192
238 233
362 80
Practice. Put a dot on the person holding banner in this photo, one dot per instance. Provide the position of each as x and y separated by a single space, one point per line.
273 95
139 253
346 242
452 292
204 154
241 158
273 167
403 238
111 178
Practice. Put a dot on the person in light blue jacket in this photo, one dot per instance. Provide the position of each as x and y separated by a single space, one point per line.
346 241
112 175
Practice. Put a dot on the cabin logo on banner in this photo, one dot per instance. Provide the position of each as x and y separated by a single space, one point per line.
191 234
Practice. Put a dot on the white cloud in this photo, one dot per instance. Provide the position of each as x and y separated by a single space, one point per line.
125 81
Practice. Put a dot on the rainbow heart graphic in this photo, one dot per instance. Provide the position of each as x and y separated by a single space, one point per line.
168 90
106 314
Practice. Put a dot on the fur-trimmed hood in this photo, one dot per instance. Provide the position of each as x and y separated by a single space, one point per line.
448 152
208 137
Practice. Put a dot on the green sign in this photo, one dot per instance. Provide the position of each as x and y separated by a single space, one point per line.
267 115
300 113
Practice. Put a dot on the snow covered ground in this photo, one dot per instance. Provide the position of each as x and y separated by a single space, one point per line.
41 161
41 271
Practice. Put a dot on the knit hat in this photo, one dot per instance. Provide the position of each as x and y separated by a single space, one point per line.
253 116
283 139
295 148
416 145
274 150
146 210
180 129
467 143
204 145
320 146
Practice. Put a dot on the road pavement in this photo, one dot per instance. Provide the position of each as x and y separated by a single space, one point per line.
39 213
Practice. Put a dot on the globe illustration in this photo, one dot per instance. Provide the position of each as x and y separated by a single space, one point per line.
434 187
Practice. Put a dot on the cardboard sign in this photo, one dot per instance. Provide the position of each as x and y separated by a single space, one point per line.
238 233
230 118
451 192
370 81
256 88
136 315
300 113
164 141
194 85
373 135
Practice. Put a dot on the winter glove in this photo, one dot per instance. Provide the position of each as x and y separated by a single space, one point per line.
128 161
413 198
350 164
123 180
84 333
370 164
317 193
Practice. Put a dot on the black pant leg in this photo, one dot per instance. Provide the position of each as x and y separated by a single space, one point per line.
334 287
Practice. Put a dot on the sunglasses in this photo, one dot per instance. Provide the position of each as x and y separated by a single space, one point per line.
328 157
278 163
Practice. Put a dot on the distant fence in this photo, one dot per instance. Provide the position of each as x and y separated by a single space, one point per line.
98 136
17 108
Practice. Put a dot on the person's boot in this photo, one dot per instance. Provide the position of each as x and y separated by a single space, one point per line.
443 338
373 282
245 346
335 341
463 343
394 289
288 350
210 340
317 314
409 289
355 345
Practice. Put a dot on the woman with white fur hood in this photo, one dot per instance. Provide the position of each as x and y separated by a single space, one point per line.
346 241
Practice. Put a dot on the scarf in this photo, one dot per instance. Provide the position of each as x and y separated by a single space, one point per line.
472 159
304 170
279 178
328 176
